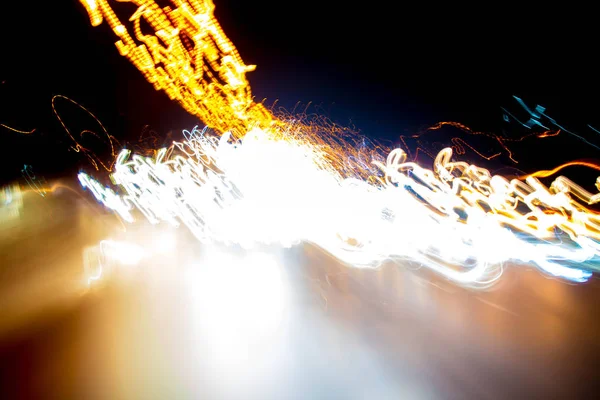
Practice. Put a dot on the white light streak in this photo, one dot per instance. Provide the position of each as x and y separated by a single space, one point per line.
456 219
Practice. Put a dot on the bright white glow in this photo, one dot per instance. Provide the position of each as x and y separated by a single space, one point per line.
241 303
100 259
164 242
456 219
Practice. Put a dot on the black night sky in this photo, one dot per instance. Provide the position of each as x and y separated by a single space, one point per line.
389 69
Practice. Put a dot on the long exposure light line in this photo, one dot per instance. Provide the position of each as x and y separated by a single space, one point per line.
261 179
457 218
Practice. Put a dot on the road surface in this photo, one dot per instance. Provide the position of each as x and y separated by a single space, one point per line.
207 323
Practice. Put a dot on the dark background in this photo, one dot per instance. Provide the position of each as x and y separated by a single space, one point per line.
388 69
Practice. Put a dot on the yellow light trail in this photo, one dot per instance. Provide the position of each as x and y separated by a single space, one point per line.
190 58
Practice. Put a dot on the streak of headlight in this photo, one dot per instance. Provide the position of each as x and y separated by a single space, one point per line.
457 219
189 57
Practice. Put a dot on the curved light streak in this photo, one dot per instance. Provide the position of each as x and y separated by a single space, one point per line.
456 219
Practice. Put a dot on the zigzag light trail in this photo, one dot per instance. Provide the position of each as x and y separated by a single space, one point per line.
262 179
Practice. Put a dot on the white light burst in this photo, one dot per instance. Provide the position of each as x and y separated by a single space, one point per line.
457 219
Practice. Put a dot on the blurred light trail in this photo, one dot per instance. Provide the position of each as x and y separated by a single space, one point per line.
11 203
535 119
456 219
278 180
35 183
189 57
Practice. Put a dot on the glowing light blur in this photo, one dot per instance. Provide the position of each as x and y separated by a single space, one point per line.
189 57
456 219
11 203
277 180
109 254
239 292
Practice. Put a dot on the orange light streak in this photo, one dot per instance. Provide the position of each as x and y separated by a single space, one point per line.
77 147
501 140
18 130
547 173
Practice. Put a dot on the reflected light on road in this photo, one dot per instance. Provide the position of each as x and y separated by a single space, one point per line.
241 304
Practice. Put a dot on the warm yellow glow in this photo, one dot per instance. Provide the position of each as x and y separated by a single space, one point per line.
189 57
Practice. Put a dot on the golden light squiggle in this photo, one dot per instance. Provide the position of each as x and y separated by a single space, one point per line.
18 130
189 57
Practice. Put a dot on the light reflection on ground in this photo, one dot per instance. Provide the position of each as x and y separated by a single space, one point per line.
272 323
